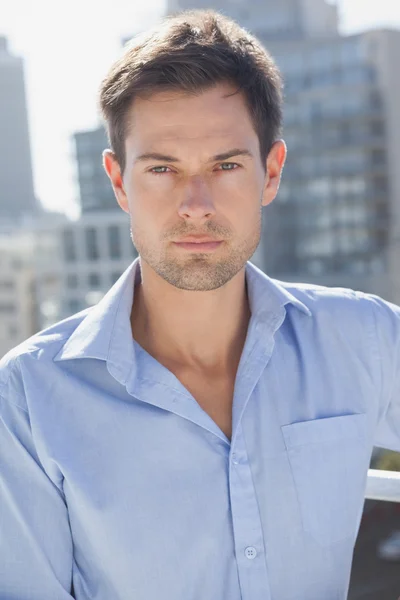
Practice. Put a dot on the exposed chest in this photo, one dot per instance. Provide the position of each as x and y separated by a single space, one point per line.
214 395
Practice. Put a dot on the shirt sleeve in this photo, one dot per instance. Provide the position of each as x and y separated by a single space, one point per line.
387 326
35 538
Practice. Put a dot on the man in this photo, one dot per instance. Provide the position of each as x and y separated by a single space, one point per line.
204 432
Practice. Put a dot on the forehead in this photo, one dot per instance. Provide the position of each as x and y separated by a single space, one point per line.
212 114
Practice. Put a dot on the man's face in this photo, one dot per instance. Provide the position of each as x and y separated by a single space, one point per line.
193 167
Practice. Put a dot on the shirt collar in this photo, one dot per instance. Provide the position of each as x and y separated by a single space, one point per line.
105 331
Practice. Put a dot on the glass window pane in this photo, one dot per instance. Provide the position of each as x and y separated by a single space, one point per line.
72 280
114 241
69 246
94 280
92 249
73 306
115 276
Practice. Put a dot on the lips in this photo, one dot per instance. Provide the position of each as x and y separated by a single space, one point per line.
198 246
197 240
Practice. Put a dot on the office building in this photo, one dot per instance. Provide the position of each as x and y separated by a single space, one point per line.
286 19
95 191
48 268
17 295
337 216
94 252
17 197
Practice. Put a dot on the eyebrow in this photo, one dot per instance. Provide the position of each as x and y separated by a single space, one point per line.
218 157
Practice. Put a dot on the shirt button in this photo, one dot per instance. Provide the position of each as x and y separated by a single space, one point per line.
250 552
235 459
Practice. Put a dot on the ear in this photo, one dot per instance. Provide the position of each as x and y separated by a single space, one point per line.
113 170
274 165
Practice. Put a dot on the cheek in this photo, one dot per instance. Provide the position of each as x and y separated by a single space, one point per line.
154 186
241 187
152 195
146 201
238 198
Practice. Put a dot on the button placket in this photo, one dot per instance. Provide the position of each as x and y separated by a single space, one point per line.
235 459
248 535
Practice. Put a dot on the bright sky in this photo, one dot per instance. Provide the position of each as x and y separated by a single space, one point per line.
68 47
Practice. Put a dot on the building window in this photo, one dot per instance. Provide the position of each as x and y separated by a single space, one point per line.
349 240
72 281
69 245
346 186
92 247
7 284
7 307
378 157
114 241
351 51
73 306
94 281
375 100
317 243
320 187
322 57
115 276
377 128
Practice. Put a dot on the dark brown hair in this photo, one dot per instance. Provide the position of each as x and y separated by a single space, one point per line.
193 51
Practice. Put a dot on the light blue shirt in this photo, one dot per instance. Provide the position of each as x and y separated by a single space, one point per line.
115 480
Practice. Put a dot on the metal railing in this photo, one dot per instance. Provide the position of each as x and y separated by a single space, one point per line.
383 485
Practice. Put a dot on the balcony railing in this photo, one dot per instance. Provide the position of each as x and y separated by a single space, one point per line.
383 485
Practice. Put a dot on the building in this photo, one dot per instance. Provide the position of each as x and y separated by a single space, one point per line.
76 262
283 20
17 297
17 197
48 267
336 220
54 267
30 277
95 191
94 252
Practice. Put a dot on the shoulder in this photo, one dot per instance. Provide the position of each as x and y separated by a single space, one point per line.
317 296
41 347
340 306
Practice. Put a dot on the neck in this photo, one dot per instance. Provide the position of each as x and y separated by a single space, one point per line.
201 330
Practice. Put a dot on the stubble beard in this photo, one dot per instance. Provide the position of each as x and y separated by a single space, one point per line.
199 272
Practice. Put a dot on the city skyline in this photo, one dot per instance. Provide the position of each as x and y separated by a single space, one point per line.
65 60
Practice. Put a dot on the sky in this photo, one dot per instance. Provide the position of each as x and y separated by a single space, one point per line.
68 48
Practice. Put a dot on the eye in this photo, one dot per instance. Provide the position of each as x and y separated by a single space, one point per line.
160 170
228 166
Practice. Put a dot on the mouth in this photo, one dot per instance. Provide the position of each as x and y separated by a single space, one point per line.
207 246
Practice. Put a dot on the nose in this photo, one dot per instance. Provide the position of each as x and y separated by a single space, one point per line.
197 203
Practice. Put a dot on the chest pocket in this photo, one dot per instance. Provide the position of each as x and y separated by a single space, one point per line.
329 459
